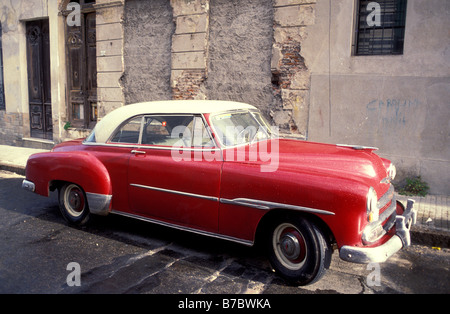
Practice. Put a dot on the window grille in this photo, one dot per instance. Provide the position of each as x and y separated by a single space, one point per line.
380 28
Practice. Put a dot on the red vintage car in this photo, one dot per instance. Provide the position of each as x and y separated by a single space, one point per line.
217 168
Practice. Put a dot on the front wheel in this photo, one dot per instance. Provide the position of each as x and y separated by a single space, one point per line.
298 250
73 204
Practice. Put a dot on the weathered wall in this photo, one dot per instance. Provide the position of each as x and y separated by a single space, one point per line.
397 103
110 39
148 28
11 119
290 71
11 128
14 120
247 51
240 51
189 48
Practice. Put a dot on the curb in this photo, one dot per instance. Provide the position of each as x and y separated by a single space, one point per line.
431 237
13 168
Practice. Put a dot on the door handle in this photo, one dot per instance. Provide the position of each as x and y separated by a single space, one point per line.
138 152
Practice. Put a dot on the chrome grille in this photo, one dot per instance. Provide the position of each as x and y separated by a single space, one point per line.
387 205
386 198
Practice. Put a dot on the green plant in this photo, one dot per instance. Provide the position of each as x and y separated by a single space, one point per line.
414 186
67 126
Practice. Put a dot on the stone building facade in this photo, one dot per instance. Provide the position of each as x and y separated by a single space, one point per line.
293 59
220 49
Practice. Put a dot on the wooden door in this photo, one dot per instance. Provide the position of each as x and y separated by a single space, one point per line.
82 74
39 87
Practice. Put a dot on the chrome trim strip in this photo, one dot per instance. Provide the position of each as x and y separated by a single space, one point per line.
131 146
357 147
196 231
244 202
143 146
265 205
210 198
98 203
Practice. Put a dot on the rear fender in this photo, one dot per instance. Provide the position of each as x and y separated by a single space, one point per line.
81 168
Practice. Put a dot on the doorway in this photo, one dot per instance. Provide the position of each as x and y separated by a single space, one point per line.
39 84
82 74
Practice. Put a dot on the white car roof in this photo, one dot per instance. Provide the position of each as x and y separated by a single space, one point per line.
111 121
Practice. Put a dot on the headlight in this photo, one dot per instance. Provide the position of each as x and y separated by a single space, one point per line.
392 171
373 212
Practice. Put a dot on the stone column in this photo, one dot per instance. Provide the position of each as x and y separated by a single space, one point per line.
189 48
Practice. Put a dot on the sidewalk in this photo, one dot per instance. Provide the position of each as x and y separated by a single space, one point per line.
14 158
433 221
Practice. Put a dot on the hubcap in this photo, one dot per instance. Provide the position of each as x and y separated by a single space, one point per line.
74 200
289 246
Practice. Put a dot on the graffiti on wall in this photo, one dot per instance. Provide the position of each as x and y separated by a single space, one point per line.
393 111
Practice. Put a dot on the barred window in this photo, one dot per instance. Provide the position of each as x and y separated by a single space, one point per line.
380 28
2 92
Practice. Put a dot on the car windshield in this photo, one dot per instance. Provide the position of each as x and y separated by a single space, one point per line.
241 127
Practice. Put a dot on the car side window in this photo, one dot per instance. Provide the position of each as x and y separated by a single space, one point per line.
201 137
168 130
173 130
129 132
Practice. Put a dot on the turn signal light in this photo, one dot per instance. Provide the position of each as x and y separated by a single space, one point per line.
373 212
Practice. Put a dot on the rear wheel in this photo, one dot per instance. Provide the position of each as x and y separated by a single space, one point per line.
73 204
298 250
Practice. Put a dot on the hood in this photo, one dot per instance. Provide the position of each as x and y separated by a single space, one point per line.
336 160
351 162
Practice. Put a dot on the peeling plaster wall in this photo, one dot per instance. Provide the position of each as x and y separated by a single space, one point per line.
249 51
240 51
148 28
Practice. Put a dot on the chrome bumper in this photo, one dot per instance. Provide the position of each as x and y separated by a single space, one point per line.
99 203
381 253
28 185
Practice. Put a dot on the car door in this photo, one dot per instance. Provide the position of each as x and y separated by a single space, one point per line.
171 174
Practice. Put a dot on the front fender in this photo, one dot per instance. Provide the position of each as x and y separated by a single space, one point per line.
81 168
